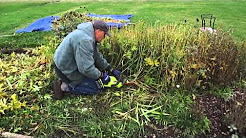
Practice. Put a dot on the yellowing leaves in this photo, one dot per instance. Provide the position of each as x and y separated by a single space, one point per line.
156 63
3 105
193 96
128 54
173 73
35 107
150 62
15 103
12 105
12 54
213 58
194 66
134 48
22 73
1 90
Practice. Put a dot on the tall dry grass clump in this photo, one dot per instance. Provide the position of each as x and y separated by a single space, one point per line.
170 56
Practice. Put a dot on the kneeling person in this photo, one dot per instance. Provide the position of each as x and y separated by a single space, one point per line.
78 63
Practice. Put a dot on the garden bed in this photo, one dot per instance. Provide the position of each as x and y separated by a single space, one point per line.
185 79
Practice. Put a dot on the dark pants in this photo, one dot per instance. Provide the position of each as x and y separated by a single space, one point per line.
87 86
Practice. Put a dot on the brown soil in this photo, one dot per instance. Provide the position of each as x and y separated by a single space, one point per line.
215 108
221 113
17 51
9 51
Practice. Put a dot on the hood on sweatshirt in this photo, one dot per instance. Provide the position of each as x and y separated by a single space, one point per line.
87 26
87 29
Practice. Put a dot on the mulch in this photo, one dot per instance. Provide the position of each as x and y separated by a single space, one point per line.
224 114
220 112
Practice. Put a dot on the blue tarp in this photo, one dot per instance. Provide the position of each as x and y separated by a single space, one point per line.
125 18
43 24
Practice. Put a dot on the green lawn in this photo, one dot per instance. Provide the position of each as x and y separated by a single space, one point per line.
16 15
230 14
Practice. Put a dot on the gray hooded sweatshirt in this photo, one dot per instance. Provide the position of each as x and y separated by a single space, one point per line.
77 56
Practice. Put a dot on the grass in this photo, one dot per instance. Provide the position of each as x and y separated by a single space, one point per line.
230 14
116 113
16 15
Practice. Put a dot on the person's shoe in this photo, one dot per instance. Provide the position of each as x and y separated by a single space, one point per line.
57 89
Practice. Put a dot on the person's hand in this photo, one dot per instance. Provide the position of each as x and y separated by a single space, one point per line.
116 74
105 78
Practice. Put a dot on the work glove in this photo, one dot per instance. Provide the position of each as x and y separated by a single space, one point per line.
113 72
105 78
116 74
